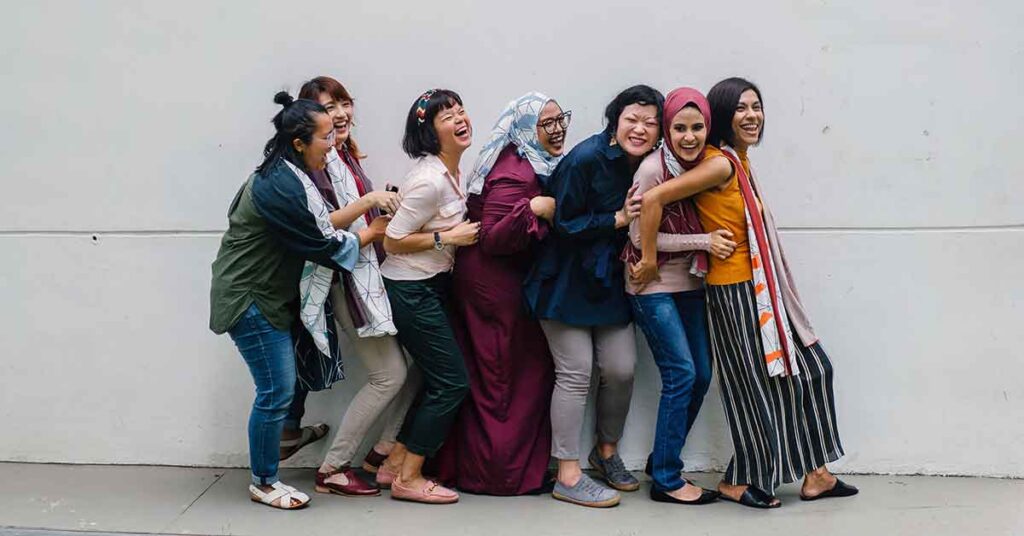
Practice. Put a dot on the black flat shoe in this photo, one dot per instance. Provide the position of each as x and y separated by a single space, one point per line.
841 489
706 497
754 498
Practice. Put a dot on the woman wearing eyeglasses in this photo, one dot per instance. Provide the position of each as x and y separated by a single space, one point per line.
502 441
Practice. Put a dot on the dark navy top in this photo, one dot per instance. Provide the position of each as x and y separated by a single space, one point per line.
578 277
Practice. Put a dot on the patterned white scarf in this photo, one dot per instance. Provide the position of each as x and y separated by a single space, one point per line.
776 333
315 283
365 277
517 125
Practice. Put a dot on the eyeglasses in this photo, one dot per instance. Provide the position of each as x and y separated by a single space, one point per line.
562 120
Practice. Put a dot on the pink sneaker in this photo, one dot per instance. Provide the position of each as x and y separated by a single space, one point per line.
385 477
431 493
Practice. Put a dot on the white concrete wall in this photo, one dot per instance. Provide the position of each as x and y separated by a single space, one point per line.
891 160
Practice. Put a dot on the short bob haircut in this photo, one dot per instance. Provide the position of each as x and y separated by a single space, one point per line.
641 94
723 98
325 84
421 137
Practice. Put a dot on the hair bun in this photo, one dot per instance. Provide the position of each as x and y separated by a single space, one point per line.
283 98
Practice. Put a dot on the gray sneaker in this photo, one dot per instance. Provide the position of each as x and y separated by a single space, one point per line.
586 492
613 471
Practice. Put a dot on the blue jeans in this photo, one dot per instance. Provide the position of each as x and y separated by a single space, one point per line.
676 329
271 358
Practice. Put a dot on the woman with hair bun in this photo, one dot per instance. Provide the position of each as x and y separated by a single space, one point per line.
278 222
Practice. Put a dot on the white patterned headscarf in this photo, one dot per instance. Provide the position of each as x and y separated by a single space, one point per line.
517 124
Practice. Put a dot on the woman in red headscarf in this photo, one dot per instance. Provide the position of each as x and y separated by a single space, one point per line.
775 378
670 310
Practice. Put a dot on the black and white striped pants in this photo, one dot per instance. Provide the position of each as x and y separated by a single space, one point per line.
782 427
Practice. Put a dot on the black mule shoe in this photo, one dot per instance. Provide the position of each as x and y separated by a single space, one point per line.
706 497
841 489
754 498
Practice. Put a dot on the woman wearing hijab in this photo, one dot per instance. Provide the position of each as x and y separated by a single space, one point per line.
670 310
775 378
502 441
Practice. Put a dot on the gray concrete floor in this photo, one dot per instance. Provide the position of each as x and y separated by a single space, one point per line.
168 500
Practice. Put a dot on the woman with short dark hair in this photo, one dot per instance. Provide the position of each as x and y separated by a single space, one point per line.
421 240
575 289
277 222
671 310
775 377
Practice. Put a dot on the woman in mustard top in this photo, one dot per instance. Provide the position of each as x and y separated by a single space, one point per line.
774 376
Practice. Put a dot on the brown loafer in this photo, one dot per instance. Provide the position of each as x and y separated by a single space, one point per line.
351 485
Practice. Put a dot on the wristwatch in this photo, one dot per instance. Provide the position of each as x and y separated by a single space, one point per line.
438 245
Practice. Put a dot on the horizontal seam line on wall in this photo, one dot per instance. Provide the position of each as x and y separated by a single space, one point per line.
907 229
794 230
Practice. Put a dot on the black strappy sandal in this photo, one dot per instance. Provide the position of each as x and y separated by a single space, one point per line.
841 489
754 498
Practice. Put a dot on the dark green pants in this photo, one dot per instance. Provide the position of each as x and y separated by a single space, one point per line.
420 314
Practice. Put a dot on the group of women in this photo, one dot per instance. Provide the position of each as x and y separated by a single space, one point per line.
479 305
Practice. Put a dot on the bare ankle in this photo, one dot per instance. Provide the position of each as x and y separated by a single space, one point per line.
607 450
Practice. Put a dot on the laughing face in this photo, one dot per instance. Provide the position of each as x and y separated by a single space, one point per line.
553 143
454 129
688 133
747 121
637 131
322 142
341 117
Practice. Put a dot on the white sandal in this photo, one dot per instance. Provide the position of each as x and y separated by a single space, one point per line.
281 497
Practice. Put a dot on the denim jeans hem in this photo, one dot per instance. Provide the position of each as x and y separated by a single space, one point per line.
264 480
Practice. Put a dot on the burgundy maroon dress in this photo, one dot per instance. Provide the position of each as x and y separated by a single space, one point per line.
501 443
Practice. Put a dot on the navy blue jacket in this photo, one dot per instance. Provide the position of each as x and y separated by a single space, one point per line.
578 277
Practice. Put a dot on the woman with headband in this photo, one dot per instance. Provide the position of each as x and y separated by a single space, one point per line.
421 240
775 377
501 444
277 223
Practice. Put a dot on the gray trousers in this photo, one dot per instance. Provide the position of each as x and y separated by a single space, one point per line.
575 349
389 390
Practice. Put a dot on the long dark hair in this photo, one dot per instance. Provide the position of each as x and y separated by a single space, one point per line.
297 119
723 98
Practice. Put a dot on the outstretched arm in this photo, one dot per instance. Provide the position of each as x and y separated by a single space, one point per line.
709 174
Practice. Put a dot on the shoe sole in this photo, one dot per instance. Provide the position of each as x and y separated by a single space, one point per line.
329 491
597 504
299 507
410 499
